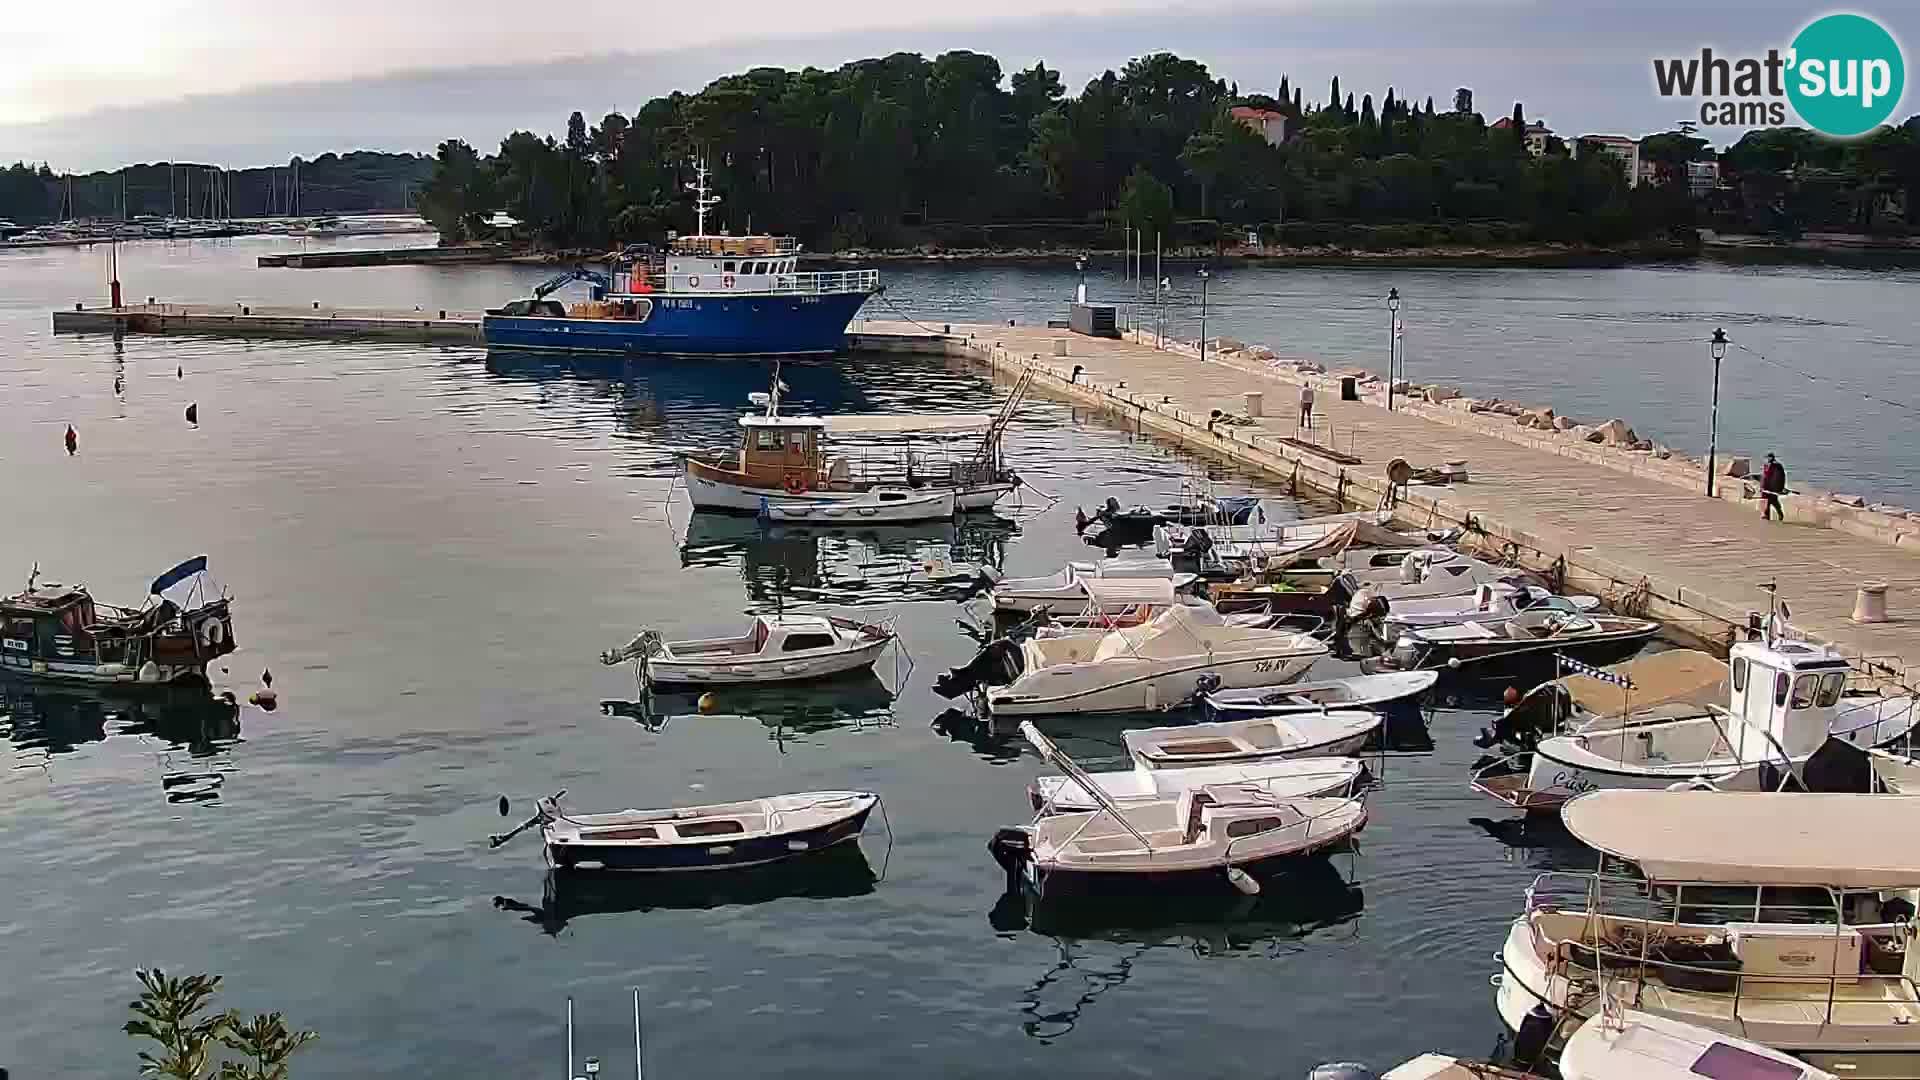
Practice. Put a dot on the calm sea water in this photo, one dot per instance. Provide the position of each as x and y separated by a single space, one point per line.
429 546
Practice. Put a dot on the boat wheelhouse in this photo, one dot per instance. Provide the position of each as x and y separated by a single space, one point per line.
1786 919
704 295
59 632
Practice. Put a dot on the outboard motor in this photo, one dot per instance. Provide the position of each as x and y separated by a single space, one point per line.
1530 1042
1011 847
1080 520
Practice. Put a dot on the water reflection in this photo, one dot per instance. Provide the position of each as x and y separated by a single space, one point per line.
938 560
1315 897
1538 842
839 873
855 700
44 722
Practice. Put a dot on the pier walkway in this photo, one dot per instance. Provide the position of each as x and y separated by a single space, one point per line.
1695 562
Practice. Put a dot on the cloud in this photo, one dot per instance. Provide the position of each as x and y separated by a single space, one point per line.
1582 69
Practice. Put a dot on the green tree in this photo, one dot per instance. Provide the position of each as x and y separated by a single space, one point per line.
1146 203
1201 157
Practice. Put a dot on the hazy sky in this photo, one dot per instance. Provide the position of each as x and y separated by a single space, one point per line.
221 81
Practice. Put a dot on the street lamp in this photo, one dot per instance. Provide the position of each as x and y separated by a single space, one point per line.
1166 286
1393 319
1718 345
1080 264
1203 315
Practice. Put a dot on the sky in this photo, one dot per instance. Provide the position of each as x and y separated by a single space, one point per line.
247 84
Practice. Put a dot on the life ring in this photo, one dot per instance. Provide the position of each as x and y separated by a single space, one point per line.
727 282
794 484
693 281
212 633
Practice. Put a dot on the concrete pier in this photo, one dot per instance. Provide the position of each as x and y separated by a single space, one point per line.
420 256
243 320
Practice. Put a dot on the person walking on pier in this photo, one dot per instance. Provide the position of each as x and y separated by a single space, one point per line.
1773 484
1306 405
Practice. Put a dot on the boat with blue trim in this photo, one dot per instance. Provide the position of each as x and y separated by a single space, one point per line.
706 295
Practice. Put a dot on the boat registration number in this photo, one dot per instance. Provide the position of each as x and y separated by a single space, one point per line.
1268 665
1574 781
13 643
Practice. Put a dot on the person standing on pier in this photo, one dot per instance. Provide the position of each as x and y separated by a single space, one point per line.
1306 405
1773 484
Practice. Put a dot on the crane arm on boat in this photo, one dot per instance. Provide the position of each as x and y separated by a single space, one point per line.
557 281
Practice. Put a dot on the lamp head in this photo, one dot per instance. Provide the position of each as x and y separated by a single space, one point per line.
1203 274
1393 299
1718 344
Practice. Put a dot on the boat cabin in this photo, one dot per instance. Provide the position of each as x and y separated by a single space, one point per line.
1784 692
46 622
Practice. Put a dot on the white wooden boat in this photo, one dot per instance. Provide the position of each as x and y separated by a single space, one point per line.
1487 603
720 836
1158 665
1214 837
1066 590
876 507
1428 572
1171 537
1331 733
1785 919
1785 702
781 456
776 649
1379 692
1292 778
1635 1045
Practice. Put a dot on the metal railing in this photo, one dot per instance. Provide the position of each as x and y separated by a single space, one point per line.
811 283
1609 958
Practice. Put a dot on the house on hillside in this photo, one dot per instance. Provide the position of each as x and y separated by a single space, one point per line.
1625 149
1266 123
1536 136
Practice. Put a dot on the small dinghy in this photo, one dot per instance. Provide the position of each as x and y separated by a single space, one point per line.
777 648
721 836
1066 589
1390 690
1635 1045
1330 733
880 506
1302 778
1210 838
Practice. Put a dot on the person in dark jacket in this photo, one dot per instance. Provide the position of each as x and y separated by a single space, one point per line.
1773 484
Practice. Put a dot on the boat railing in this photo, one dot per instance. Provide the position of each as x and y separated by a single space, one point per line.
1613 943
808 283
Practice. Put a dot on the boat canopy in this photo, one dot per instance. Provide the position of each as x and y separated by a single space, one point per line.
1753 838
909 424
1677 676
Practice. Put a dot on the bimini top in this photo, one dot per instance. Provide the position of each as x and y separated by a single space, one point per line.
909 423
1754 838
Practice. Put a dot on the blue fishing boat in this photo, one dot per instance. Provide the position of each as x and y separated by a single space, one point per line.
705 295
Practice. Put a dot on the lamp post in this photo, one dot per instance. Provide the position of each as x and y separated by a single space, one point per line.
1393 320
1160 300
1718 346
1080 264
1203 315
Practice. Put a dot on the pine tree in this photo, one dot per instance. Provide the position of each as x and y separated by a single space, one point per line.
1296 101
1349 109
1333 96
1386 107
1429 104
1366 112
1519 123
1284 95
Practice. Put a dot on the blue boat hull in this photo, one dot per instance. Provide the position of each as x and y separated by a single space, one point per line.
814 324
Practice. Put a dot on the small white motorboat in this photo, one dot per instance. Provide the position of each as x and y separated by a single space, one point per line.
1635 1045
716 837
1379 692
1172 537
1111 603
1331 733
1427 572
1293 778
777 648
1210 837
1525 644
876 507
1067 591
1487 603
1158 665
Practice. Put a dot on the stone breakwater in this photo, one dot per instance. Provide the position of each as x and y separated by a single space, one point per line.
1611 442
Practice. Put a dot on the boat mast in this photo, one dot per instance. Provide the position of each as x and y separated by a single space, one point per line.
703 201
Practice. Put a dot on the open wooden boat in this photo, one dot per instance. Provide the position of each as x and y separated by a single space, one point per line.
1329 733
1291 778
1487 603
720 836
1528 643
876 507
1382 692
776 649
1066 590
1213 838
59 633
